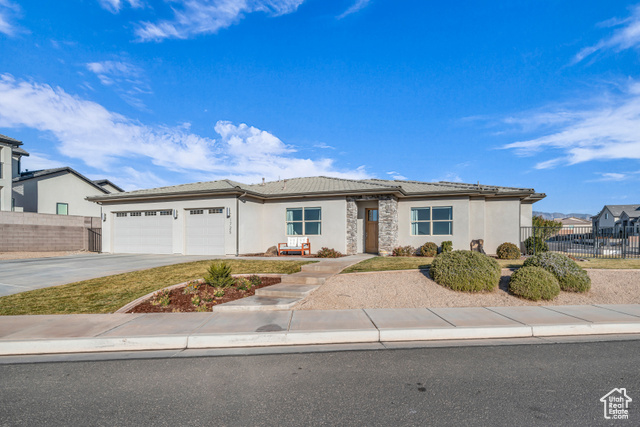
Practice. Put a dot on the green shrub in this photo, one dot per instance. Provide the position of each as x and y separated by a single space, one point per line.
508 251
447 246
570 276
255 280
404 251
243 284
328 253
535 245
219 275
534 283
466 271
429 249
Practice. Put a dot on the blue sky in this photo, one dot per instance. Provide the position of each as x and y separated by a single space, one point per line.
530 93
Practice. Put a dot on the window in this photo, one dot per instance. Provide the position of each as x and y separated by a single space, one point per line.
215 211
121 214
62 208
606 216
196 212
303 221
165 212
434 220
136 214
150 213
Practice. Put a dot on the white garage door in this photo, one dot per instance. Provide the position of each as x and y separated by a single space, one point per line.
205 231
148 232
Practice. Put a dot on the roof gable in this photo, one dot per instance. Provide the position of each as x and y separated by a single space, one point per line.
24 176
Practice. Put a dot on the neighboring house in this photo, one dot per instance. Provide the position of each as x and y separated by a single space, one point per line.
10 155
351 216
617 218
60 191
572 225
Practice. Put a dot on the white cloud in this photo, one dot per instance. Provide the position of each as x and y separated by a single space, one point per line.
194 17
37 161
358 5
103 139
324 146
610 129
396 175
128 80
8 11
114 6
627 36
449 177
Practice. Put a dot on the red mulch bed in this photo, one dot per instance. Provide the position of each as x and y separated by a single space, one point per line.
180 302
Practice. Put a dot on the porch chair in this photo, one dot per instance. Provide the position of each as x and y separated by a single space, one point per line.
295 244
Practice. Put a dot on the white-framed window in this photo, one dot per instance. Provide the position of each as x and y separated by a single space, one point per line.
150 213
165 212
304 221
435 220
196 212
606 216
62 208
216 211
136 214
121 214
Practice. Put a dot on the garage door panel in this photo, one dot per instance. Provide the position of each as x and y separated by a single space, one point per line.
143 233
204 232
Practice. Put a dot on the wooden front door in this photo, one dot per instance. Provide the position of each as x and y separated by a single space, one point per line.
371 231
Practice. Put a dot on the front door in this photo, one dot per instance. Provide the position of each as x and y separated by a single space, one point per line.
371 231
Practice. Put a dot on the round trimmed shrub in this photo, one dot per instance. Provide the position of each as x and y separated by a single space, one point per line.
404 251
570 276
535 245
534 283
429 249
447 246
508 250
466 271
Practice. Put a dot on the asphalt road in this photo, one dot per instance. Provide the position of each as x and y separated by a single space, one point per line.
558 384
22 275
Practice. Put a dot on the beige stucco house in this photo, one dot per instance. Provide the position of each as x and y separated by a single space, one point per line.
352 216
60 191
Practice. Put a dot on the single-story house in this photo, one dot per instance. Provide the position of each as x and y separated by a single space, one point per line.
617 218
352 216
571 225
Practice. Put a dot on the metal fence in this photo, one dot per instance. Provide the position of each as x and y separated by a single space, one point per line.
95 240
585 242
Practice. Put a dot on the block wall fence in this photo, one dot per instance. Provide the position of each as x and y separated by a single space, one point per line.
33 232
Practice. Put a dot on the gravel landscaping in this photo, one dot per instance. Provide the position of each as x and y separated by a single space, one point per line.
408 289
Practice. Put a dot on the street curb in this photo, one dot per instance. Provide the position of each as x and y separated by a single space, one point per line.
239 340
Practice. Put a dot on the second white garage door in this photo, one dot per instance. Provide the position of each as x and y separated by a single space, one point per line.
204 231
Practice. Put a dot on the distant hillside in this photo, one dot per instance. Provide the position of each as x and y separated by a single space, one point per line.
558 215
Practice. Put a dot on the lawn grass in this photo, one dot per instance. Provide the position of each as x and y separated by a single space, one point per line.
412 263
107 294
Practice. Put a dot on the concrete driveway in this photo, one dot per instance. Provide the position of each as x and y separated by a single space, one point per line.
22 275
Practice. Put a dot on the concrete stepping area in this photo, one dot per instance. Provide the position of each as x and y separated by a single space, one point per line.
293 288
23 335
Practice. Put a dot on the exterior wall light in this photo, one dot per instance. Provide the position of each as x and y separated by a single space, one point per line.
175 214
228 212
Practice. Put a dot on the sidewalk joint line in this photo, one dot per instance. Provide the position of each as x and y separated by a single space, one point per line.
372 322
575 317
505 316
616 311
428 309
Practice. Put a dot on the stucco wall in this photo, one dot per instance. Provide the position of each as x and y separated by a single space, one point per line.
606 223
5 181
178 228
502 223
460 227
66 188
252 226
334 222
526 214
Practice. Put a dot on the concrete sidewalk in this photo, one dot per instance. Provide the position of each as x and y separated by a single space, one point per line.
23 335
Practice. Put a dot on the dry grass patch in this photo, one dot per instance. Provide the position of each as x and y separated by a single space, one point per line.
107 294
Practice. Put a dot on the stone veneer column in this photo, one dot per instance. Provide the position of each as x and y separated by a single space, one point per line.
387 223
352 226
